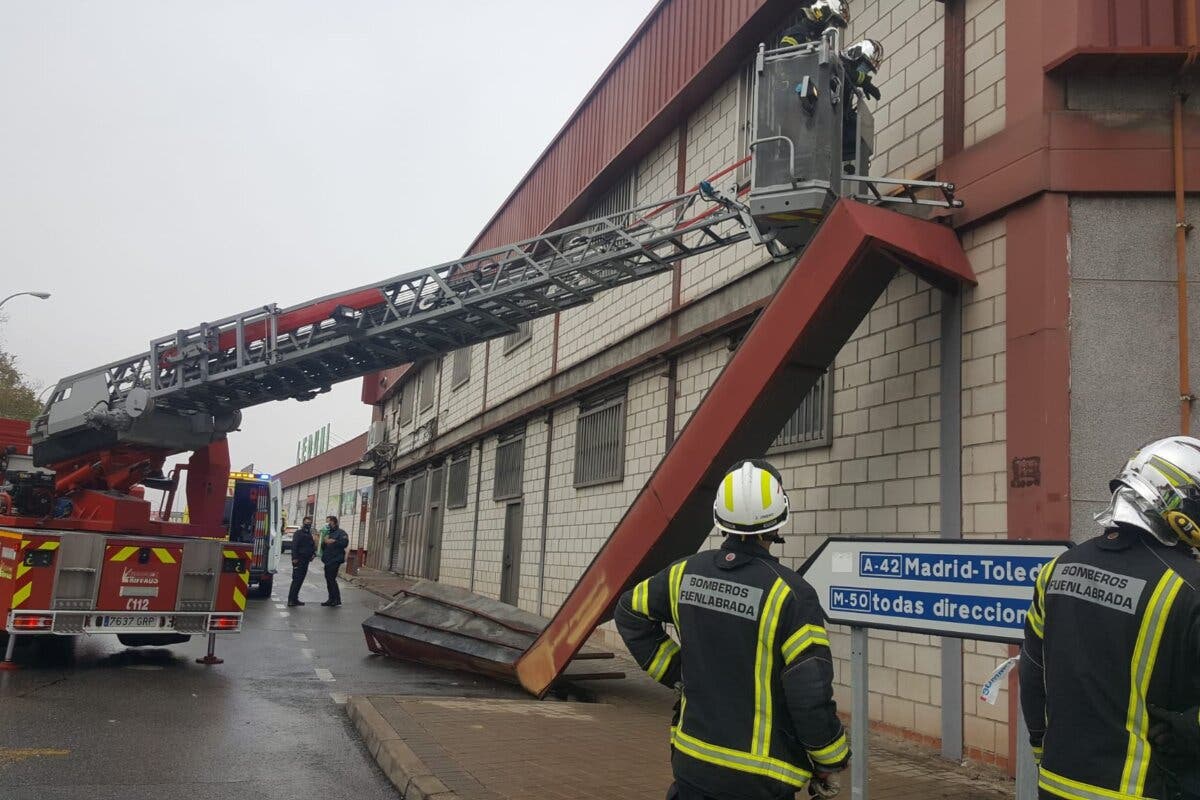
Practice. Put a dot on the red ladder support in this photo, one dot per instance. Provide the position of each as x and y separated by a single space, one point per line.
829 291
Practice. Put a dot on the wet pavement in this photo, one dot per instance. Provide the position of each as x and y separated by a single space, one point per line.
103 721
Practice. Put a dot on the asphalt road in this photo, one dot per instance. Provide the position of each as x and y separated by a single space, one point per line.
103 721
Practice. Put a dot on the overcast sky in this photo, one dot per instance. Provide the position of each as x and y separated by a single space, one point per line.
164 163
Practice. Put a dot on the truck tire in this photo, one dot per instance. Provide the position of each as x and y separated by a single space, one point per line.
265 585
151 639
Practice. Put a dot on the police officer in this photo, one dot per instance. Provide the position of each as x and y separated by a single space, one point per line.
1112 640
756 718
814 19
304 548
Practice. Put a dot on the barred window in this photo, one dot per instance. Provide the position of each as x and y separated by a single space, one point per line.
428 385
408 405
458 480
617 199
600 442
745 119
520 336
461 371
510 464
810 426
416 494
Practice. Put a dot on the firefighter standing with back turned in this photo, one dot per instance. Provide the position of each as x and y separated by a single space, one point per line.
1109 685
756 718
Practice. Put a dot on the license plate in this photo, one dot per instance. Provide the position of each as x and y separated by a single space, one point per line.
131 622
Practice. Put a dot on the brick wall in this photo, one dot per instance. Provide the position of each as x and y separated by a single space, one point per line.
983 111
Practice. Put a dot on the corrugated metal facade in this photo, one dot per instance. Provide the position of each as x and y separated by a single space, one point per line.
344 455
672 60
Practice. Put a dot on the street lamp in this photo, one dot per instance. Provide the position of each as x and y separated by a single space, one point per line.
38 295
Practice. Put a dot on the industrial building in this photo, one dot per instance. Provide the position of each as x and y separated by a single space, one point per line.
503 468
327 484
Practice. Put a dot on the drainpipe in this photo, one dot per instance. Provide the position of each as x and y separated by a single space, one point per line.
545 507
1182 228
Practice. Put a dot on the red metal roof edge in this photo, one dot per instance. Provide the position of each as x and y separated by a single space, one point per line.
344 455
587 98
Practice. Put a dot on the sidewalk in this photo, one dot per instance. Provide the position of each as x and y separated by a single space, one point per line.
611 749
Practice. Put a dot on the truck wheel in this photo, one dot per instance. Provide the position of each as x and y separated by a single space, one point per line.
265 585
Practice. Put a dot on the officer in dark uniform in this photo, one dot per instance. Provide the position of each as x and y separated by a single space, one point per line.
1108 669
756 719
814 19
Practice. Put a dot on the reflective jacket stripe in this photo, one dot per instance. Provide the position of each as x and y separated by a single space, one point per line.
833 752
1074 790
675 579
801 640
662 659
763 667
641 598
1137 759
1037 609
738 760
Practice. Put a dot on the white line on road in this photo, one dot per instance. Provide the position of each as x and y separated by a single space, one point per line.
285 613
338 698
306 652
279 606
324 674
300 637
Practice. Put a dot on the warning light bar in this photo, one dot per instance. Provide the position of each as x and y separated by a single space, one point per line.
249 476
32 622
224 622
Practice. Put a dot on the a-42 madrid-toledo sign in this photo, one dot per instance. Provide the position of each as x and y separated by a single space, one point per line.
944 587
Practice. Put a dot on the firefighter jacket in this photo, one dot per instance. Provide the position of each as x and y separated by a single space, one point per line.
757 714
1113 628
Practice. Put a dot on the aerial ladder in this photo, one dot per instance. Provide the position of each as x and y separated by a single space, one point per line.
106 433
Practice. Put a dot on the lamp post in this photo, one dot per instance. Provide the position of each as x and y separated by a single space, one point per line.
38 295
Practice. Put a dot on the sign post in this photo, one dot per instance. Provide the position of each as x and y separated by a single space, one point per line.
939 587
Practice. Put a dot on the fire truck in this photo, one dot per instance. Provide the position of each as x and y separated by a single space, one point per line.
80 550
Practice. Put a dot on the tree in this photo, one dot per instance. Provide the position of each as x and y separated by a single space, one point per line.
18 399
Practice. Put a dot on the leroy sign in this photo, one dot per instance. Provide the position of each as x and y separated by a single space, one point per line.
942 587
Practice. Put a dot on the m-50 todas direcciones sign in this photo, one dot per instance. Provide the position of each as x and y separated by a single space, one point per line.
943 587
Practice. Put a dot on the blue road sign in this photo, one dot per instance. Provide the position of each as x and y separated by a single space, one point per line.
942 587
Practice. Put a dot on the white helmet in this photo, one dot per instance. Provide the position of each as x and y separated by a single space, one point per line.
751 500
1158 491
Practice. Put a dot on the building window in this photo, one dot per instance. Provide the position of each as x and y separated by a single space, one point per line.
810 426
408 396
458 480
461 371
618 199
428 385
510 467
520 336
600 441
745 119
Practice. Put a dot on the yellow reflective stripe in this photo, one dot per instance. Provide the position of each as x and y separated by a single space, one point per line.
1145 653
245 576
765 487
768 623
22 569
662 659
739 760
803 639
1037 608
833 752
21 595
729 492
239 599
124 553
641 598
164 555
1074 790
788 41
1174 475
230 553
48 546
675 579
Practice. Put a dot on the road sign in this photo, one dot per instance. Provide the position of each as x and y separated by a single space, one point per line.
965 589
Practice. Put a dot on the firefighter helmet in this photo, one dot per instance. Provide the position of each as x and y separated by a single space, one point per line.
1158 491
830 12
866 51
751 500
